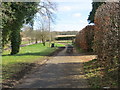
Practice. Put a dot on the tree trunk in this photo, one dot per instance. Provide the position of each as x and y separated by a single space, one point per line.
43 42
15 41
36 41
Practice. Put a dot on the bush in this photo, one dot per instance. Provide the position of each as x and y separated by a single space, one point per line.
84 39
106 33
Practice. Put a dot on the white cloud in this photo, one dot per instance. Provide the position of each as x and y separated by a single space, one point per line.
65 8
75 7
77 15
70 0
71 26
83 0
84 21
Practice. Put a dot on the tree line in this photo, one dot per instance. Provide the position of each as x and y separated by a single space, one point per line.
42 34
39 35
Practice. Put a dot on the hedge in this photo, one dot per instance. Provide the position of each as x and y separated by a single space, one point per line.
106 38
84 39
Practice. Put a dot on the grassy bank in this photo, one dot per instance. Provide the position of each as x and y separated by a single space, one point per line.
13 64
95 73
97 78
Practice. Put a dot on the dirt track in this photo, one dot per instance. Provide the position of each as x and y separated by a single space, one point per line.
61 71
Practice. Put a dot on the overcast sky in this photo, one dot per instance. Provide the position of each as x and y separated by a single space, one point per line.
71 14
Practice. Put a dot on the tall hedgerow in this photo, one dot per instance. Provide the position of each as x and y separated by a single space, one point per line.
106 39
84 39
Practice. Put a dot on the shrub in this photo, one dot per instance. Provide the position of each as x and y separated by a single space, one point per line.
106 33
84 39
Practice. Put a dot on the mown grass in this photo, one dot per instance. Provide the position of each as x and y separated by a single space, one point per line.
64 41
59 45
25 42
97 78
12 64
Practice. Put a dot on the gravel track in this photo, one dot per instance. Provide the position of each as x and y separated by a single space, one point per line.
60 71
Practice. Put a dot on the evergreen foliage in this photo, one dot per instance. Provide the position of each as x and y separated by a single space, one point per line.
95 6
15 14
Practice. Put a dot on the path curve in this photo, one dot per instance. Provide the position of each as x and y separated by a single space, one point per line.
61 71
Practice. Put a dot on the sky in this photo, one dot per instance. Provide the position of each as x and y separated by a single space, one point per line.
71 15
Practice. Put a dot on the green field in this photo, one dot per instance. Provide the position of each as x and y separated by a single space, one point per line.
65 42
11 64
25 42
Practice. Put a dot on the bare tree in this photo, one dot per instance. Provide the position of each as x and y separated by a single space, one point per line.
44 17
28 33
47 10
43 32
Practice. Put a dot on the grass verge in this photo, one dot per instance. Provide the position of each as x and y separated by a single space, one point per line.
13 65
97 78
78 49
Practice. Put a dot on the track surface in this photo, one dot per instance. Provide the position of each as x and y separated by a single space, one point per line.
61 71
